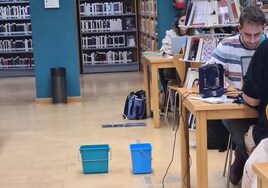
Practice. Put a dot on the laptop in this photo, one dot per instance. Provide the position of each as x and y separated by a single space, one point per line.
177 43
245 60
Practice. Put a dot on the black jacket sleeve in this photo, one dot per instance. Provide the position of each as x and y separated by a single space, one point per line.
254 79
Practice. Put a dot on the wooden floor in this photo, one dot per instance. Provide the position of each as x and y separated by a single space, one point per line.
39 143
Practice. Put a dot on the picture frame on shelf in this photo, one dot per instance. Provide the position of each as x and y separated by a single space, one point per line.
191 77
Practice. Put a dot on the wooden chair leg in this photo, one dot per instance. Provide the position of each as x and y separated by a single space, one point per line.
228 158
227 153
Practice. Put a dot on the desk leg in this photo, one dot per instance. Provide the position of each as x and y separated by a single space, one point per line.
147 89
184 138
155 101
259 182
201 150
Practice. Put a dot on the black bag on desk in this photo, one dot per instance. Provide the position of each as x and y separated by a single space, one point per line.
135 106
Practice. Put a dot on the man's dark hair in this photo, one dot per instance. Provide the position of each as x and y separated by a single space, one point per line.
252 15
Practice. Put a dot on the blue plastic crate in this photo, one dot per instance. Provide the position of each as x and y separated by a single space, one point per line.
141 158
95 158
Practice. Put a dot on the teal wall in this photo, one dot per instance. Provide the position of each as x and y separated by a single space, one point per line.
55 43
165 18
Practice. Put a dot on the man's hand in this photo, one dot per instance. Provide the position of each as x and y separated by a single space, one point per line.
226 85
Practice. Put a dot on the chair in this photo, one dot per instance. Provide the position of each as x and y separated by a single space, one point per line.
181 68
228 158
229 154
259 166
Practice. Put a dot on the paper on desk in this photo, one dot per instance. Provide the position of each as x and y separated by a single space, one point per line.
152 53
213 100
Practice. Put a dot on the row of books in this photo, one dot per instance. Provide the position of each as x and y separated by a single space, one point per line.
16 45
200 48
16 11
107 25
110 57
149 44
148 8
148 26
105 8
13 28
212 13
16 62
105 41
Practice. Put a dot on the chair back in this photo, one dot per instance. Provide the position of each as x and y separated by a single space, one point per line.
180 67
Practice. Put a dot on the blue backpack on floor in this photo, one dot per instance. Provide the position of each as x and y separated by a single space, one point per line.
135 106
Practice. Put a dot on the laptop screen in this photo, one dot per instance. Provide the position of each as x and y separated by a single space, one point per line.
245 60
177 43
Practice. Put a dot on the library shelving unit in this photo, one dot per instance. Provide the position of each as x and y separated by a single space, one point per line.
155 17
16 52
109 38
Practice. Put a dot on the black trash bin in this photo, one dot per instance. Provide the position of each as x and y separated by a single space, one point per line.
58 78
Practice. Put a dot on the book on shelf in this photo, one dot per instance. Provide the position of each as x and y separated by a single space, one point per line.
199 49
223 14
188 12
105 8
192 76
235 11
199 13
229 11
212 13
209 44
130 24
193 48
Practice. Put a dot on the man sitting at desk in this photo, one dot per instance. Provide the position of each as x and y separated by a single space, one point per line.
228 53
255 94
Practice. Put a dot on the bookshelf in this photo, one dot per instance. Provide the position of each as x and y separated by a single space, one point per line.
155 17
209 16
212 14
16 46
109 38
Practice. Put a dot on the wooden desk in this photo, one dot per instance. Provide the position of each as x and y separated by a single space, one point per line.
154 63
261 170
203 112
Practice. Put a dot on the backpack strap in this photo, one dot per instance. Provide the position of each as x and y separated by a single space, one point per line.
126 112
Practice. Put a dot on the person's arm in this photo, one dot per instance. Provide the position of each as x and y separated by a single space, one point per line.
166 42
250 101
